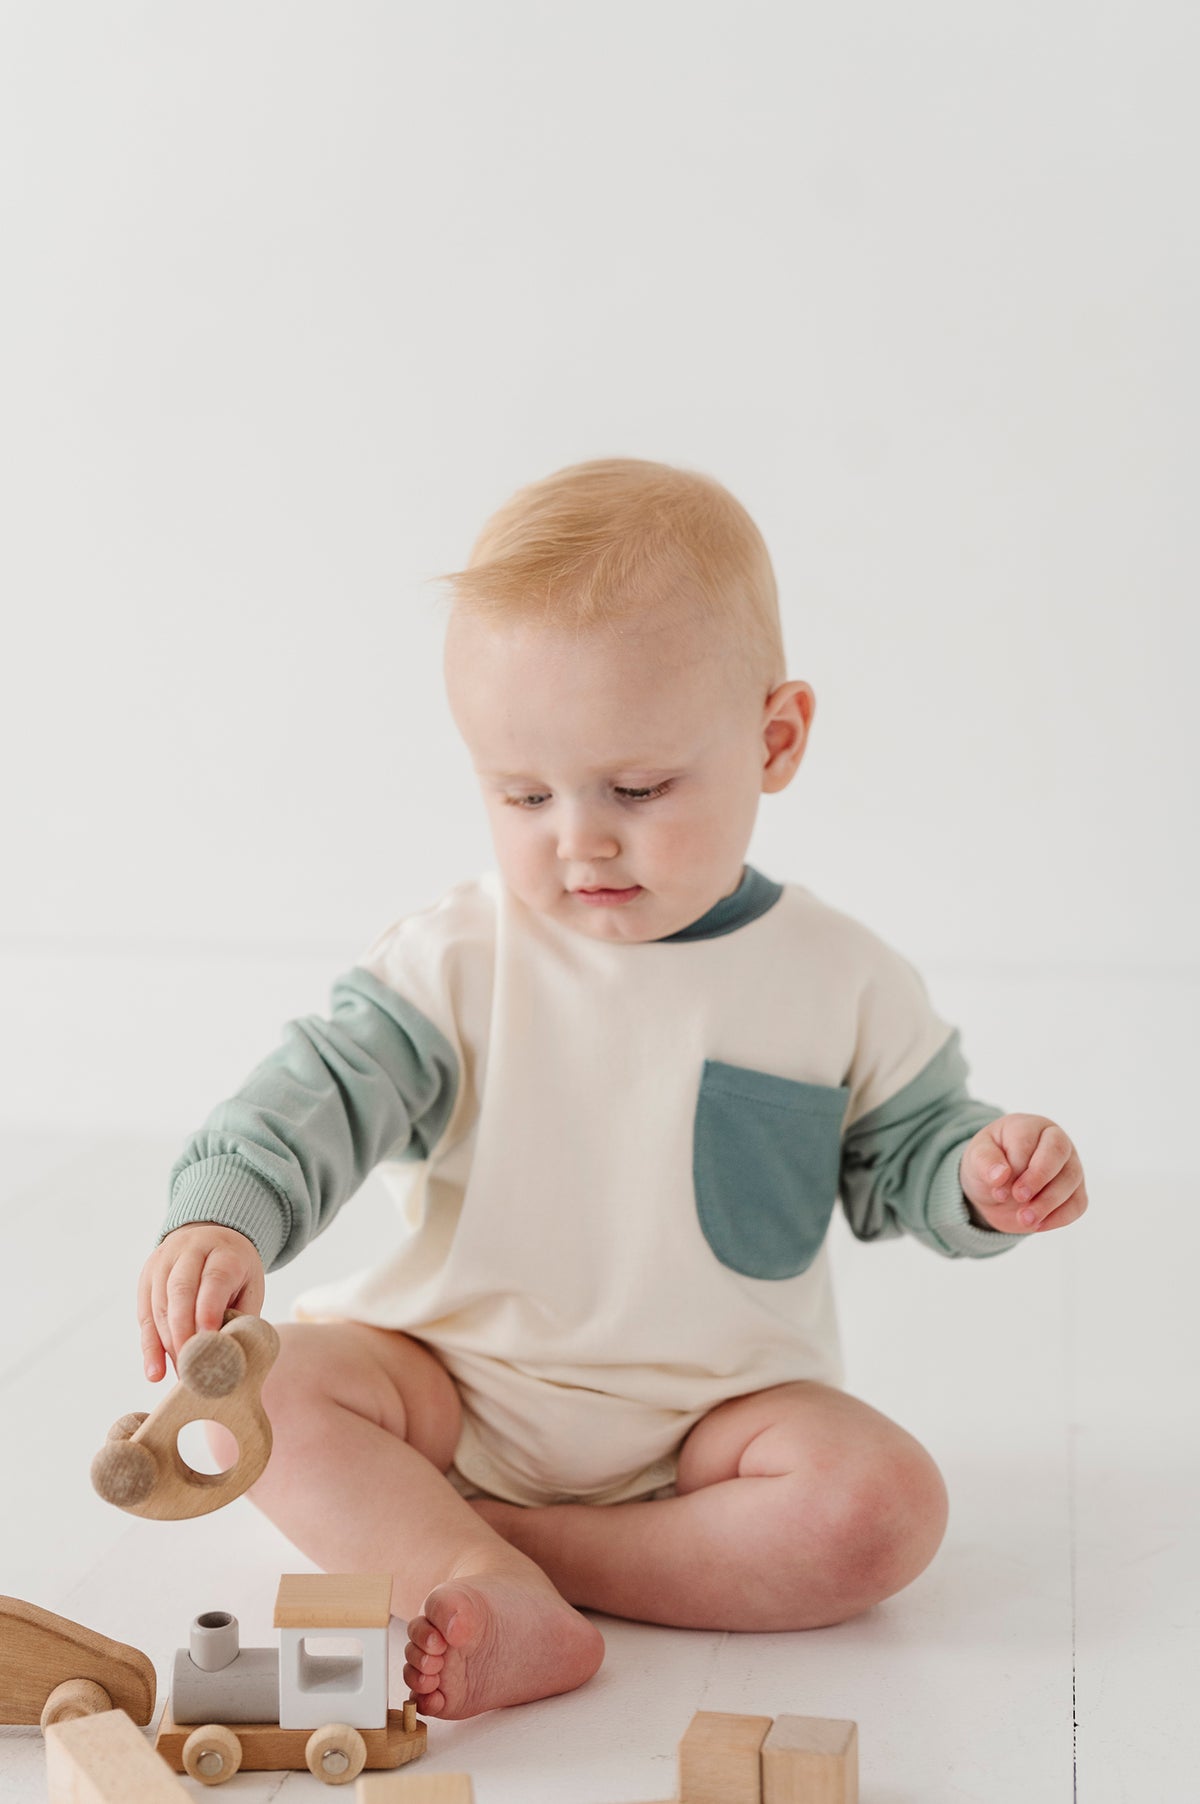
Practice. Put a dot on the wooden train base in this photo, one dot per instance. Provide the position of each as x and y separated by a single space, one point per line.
336 1753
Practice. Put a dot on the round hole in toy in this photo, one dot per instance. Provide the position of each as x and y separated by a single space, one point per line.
196 1448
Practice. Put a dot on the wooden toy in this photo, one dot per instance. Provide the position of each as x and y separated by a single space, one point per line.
810 1760
353 1690
104 1759
53 1669
720 1758
221 1373
429 1788
329 1708
729 1759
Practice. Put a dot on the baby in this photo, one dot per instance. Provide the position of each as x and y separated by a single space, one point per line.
618 1085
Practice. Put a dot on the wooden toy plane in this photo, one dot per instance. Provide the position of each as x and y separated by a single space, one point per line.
53 1669
221 1373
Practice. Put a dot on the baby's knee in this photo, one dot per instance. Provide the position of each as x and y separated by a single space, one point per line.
387 1378
300 1377
886 1525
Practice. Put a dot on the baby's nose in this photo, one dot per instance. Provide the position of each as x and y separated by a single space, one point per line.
582 836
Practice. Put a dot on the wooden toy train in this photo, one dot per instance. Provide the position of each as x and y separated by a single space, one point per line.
258 1708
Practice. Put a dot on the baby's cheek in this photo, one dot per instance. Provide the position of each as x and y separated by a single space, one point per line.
682 846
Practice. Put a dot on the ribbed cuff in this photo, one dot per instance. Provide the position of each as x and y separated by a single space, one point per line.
949 1220
226 1190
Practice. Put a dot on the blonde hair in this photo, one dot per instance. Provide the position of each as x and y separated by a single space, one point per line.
602 543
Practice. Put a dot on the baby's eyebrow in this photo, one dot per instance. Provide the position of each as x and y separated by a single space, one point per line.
642 765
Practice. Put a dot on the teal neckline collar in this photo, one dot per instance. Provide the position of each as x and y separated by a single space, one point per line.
752 897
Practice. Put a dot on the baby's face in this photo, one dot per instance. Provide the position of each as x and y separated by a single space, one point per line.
618 763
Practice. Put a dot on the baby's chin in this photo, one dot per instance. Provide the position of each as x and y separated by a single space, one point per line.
644 917
607 919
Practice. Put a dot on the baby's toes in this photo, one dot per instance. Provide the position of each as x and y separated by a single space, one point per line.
431 1703
423 1684
424 1638
418 1661
424 1658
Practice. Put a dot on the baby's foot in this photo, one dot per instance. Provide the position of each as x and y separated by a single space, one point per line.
503 1636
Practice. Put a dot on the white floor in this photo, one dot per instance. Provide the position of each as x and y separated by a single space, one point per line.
1050 1652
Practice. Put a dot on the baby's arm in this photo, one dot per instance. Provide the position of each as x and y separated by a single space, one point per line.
189 1281
271 1166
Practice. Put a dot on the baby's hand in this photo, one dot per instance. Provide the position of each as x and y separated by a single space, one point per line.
189 1281
1022 1175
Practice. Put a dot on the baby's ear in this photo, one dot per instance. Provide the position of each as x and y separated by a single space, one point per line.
788 717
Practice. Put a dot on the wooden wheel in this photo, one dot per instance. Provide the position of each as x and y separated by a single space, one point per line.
75 1697
212 1754
126 1425
335 1753
213 1363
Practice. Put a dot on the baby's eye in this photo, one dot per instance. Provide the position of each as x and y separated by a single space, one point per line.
644 795
633 795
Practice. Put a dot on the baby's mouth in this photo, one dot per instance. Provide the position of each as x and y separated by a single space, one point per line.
607 894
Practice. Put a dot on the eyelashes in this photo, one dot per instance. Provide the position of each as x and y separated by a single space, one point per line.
632 795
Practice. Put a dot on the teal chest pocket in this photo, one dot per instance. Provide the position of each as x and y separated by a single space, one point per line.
765 1158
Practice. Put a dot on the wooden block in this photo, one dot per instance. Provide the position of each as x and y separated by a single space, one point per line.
810 1760
39 1652
106 1760
720 1760
425 1788
333 1600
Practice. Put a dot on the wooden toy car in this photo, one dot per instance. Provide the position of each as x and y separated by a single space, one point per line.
53 1669
258 1709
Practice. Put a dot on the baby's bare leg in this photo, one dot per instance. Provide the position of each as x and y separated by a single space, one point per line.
364 1424
798 1507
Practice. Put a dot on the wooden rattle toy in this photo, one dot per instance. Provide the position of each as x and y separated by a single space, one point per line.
221 1373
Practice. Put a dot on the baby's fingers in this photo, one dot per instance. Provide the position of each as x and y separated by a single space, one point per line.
154 1357
182 1283
224 1285
214 1295
1066 1212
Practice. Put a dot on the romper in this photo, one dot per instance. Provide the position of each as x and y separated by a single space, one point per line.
615 1163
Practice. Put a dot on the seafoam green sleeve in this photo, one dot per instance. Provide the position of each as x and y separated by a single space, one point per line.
899 1162
277 1161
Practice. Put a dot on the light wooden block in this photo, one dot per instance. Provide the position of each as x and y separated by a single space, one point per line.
810 1760
106 1760
426 1788
333 1600
720 1758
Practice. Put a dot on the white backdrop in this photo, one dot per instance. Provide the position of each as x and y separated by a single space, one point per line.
295 294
